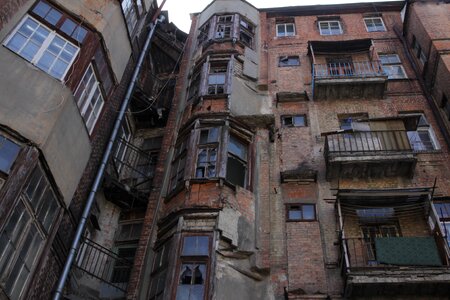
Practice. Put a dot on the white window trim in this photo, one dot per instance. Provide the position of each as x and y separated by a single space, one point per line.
44 46
89 99
397 64
285 31
430 130
371 18
329 28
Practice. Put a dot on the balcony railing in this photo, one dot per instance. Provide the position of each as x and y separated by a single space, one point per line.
348 70
416 252
132 166
103 264
367 142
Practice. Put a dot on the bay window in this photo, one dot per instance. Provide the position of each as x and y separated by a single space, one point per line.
207 153
237 161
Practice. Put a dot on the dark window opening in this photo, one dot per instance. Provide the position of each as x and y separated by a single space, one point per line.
122 267
294 121
236 162
301 212
247 32
445 105
178 165
203 33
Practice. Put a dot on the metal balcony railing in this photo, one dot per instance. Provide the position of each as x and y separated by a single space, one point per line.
133 166
348 70
367 142
103 264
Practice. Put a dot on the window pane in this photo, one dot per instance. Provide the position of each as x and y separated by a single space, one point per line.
41 9
236 171
8 154
308 212
237 148
294 213
68 26
53 16
281 29
195 245
79 34
442 209
299 121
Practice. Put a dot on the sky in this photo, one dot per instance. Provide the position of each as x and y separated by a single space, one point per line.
179 10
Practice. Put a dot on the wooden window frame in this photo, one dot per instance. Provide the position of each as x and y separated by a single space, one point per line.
372 19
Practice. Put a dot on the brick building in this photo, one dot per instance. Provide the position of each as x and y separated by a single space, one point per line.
65 69
279 153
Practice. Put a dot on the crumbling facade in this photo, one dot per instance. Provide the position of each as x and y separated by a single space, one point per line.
280 153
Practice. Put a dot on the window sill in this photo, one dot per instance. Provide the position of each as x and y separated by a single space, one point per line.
296 221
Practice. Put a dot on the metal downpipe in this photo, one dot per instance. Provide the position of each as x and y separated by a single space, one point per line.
101 171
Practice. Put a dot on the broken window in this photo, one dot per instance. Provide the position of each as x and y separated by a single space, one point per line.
289 61
236 162
294 121
194 260
247 32
207 153
217 77
285 29
301 212
178 165
8 154
330 27
224 27
374 24
203 33
423 138
24 234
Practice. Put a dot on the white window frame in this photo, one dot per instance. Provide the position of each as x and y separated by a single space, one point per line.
131 14
43 47
83 107
286 33
414 135
329 27
394 62
371 19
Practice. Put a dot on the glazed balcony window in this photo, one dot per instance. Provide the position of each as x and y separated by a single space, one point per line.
227 27
24 235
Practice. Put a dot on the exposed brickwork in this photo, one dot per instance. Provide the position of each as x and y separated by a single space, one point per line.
8 8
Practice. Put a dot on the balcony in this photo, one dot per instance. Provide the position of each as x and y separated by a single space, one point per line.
100 271
129 175
364 154
346 70
392 244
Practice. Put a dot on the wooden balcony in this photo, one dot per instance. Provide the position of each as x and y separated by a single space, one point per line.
349 80
364 154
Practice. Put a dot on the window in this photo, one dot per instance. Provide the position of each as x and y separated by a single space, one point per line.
42 47
123 138
350 121
89 98
178 165
194 87
146 164
419 51
371 232
340 66
8 154
289 61
61 21
246 33
374 24
301 212
443 211
122 266
236 162
131 10
217 78
330 27
207 153
194 261
224 27
203 33
25 232
294 121
445 105
422 139
159 272
285 29
392 66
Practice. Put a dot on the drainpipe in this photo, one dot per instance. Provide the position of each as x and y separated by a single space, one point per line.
101 171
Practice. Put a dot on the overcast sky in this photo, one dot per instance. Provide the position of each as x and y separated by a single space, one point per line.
179 10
